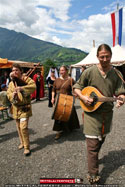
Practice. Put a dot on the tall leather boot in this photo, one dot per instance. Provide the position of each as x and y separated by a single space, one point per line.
19 133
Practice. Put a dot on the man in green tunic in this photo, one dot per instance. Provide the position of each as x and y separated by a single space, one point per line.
19 96
98 123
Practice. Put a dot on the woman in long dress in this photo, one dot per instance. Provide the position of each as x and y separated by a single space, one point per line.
50 82
63 85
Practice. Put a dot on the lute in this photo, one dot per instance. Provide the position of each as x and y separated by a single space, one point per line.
98 99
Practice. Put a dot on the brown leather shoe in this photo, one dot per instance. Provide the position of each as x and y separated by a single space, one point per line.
93 179
20 146
58 135
27 152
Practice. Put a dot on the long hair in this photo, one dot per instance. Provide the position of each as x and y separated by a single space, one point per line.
104 46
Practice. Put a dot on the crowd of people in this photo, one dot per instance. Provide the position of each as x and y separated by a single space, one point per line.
97 124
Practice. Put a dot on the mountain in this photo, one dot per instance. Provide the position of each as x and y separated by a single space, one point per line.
19 46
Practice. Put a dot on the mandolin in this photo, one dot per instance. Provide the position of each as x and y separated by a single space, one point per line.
98 99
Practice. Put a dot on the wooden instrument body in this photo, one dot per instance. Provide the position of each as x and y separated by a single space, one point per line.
98 99
87 92
63 107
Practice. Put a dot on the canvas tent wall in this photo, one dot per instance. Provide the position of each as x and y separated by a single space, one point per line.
118 59
28 65
6 65
118 55
89 60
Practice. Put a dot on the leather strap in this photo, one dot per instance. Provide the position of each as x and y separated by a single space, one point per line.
119 75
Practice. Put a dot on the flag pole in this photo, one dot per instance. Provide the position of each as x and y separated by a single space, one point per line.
93 43
117 6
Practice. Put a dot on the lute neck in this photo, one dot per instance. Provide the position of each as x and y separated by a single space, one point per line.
109 99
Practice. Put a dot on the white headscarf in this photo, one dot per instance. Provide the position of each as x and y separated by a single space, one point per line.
49 74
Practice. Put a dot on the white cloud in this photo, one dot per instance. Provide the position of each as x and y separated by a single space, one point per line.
14 12
49 20
56 40
96 27
58 7
30 16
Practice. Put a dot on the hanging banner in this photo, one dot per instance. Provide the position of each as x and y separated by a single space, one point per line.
120 26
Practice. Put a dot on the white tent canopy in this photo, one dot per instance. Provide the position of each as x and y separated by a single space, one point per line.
90 59
118 57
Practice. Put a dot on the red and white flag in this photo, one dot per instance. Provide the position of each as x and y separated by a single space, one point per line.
116 19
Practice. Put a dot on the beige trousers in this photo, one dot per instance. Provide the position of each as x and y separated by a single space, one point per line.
22 128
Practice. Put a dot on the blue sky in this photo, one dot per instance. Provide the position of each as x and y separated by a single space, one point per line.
69 23
83 9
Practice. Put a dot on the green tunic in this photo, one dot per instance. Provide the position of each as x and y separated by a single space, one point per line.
109 86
